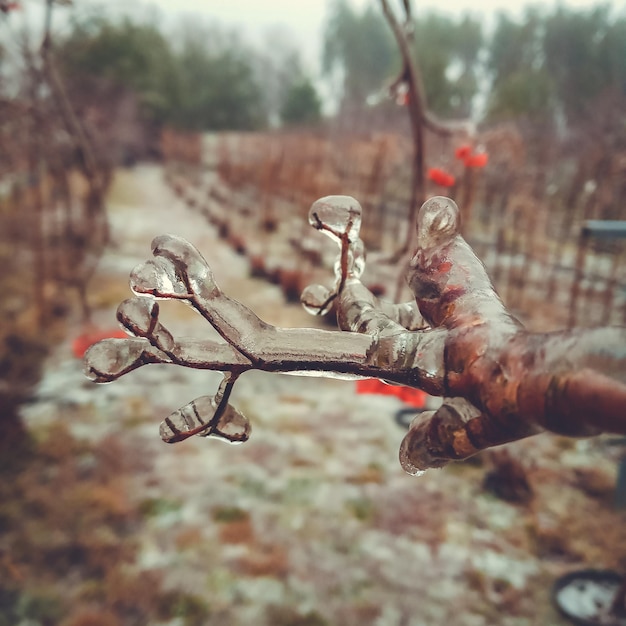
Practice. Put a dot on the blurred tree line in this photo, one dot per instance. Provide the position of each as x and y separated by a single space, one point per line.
202 78
549 65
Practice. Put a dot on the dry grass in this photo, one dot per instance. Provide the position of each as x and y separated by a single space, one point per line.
70 536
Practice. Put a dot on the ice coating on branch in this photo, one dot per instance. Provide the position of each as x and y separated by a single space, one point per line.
189 263
208 416
141 317
316 299
414 457
450 283
500 382
355 261
589 350
421 447
158 278
438 221
111 358
337 216
198 417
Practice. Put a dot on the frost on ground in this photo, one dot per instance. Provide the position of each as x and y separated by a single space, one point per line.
313 521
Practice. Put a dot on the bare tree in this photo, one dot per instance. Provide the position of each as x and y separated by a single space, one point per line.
52 217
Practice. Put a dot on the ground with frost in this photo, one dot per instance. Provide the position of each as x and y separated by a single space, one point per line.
312 522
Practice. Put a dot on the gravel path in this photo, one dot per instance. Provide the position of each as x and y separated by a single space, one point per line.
312 521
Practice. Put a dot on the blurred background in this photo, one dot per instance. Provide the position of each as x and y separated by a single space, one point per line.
222 123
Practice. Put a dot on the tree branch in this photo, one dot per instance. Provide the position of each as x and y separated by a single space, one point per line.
420 117
72 123
499 382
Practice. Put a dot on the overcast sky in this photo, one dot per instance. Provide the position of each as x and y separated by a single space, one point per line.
299 22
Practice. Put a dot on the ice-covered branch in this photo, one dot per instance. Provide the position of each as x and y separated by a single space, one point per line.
506 383
456 339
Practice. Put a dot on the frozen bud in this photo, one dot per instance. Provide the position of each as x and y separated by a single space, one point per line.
415 457
195 419
110 358
316 299
437 222
139 315
158 278
336 216
188 262
232 427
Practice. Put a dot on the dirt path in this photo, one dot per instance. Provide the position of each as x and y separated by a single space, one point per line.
313 522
